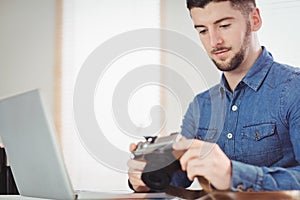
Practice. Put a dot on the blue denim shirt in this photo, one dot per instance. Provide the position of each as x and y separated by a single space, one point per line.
258 126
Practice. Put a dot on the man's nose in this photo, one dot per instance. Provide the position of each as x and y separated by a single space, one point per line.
215 39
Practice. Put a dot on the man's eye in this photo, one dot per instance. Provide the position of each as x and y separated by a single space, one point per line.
201 31
225 25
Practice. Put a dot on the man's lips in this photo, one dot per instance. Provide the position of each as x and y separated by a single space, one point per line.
220 51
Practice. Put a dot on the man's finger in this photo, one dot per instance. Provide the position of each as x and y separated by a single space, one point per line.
132 147
136 164
188 156
183 144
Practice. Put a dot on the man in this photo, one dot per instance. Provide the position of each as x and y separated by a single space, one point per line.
258 143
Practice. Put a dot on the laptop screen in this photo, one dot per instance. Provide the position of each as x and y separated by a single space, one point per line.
32 147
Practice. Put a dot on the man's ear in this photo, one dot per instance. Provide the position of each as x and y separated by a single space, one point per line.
255 19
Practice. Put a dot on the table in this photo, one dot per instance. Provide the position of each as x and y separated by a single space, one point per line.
216 195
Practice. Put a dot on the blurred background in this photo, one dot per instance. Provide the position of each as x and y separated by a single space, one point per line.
44 43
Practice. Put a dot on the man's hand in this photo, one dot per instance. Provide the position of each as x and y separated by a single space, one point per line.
135 172
207 160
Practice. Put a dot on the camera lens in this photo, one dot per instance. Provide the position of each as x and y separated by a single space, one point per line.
157 180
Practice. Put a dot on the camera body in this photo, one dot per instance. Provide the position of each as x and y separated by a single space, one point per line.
161 161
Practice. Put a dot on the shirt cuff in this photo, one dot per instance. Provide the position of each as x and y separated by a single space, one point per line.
246 177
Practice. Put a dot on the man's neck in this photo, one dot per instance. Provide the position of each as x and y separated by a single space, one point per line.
234 77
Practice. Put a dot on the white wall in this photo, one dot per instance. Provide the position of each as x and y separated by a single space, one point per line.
27 46
175 17
280 30
87 25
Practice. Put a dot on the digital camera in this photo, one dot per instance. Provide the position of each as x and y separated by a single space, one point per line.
161 161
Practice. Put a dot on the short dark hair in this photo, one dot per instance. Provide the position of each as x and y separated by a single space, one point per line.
245 6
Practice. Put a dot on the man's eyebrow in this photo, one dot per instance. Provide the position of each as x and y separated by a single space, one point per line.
216 22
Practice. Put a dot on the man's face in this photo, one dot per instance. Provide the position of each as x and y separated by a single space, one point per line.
224 33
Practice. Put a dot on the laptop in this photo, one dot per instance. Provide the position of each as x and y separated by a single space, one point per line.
34 155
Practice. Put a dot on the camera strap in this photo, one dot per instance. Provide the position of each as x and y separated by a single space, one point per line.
204 184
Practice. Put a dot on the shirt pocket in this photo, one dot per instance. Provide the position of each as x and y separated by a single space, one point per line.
260 144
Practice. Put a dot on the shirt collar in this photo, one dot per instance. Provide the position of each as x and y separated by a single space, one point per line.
257 73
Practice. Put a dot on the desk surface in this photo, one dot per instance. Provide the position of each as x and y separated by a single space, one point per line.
280 195
217 195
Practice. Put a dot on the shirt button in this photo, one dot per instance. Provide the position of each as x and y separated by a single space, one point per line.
229 135
234 108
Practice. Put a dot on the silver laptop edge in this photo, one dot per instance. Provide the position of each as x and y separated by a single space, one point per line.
27 134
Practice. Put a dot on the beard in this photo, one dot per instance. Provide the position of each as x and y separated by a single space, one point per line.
238 58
